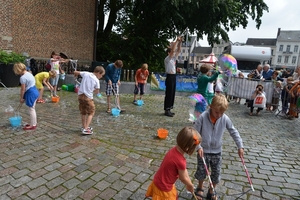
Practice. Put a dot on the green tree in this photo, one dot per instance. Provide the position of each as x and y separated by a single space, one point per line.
138 31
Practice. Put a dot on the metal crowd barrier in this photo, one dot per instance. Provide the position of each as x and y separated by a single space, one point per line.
244 87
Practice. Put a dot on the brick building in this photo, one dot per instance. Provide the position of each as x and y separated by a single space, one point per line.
39 27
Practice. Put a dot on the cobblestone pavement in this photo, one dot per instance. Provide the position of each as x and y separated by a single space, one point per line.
119 160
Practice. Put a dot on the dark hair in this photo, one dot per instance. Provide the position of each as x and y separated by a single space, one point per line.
52 54
205 68
260 85
119 63
168 50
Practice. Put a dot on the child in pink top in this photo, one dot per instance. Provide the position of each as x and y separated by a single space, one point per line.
173 167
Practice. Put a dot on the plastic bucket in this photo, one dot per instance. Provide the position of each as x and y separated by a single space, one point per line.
115 112
15 121
71 87
76 89
162 133
55 99
62 76
64 87
140 102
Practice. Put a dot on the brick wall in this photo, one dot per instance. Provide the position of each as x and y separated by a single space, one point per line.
40 27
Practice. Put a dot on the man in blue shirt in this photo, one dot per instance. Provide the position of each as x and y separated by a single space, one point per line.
112 78
267 72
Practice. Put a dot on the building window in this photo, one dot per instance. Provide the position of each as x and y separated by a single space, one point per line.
281 48
294 59
286 59
279 59
296 48
183 50
288 47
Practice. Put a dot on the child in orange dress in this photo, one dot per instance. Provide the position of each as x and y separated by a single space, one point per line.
173 167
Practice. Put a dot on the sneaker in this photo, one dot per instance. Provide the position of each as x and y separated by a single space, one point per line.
90 128
134 102
29 128
282 114
121 110
87 132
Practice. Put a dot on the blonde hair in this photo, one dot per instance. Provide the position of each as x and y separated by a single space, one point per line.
144 66
187 139
19 68
219 102
278 83
99 69
52 74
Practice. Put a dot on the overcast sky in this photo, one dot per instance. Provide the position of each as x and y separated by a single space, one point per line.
284 14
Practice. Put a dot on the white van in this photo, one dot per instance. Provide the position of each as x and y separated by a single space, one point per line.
248 57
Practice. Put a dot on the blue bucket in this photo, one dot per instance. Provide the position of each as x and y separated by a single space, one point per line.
115 112
15 121
140 102
62 76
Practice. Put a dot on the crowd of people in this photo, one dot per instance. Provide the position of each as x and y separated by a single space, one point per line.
285 88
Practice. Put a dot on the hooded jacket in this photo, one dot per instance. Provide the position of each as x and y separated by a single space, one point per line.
212 134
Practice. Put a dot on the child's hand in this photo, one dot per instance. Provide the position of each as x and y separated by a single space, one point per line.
200 152
241 153
190 188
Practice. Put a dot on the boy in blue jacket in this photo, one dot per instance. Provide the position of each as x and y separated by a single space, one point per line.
211 125
112 78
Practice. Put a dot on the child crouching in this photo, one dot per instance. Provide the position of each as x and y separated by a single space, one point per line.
173 167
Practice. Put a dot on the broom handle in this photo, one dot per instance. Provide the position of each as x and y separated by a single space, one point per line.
195 196
246 170
207 172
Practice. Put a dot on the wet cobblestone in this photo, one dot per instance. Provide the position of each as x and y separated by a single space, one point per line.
120 159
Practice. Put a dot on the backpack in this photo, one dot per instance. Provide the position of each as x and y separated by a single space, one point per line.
48 67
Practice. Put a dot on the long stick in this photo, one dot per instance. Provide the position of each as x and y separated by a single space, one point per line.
195 196
246 170
207 172
116 97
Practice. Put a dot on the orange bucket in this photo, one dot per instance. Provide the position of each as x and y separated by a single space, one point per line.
55 99
162 133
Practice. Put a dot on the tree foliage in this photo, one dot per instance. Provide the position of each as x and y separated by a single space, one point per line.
138 31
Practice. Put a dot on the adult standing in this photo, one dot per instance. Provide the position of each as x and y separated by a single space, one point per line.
112 78
296 74
267 72
170 68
